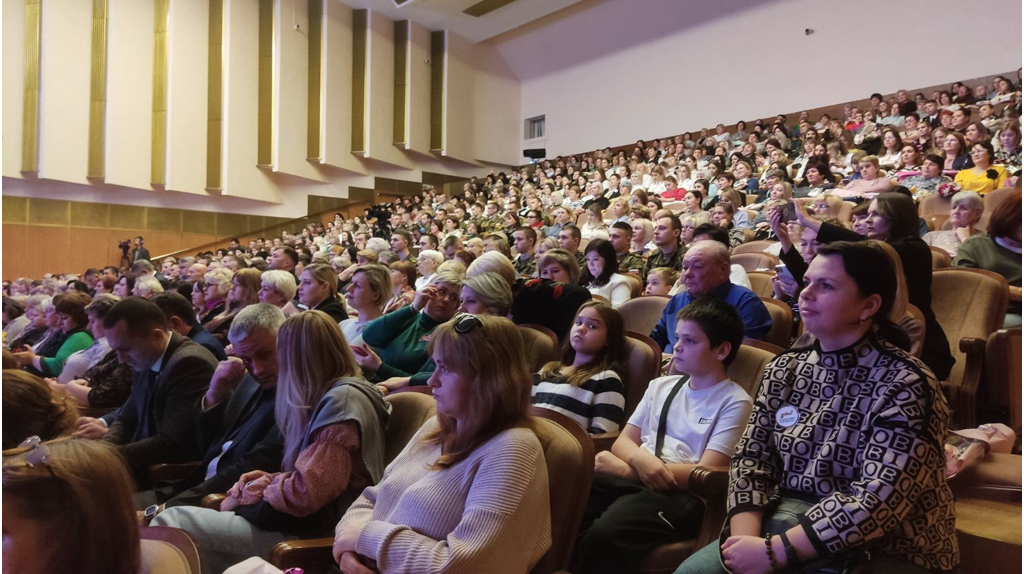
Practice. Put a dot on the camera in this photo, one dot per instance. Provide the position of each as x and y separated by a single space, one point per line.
125 245
382 213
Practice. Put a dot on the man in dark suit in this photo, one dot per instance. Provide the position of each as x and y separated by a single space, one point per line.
181 318
237 429
158 422
139 252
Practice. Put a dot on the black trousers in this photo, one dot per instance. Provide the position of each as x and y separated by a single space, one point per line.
624 520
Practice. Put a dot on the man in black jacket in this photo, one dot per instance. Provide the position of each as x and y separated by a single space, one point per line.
158 423
181 318
237 430
140 253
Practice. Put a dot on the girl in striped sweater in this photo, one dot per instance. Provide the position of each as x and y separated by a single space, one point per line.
586 384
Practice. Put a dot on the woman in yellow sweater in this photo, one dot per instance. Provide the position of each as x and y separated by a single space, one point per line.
983 177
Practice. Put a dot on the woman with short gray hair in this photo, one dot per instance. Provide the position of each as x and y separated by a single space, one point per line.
278 288
964 214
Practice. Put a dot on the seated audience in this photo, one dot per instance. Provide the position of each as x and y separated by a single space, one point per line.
394 352
930 178
332 422
890 490
278 288
639 498
586 384
367 294
486 294
403 279
999 251
36 326
182 321
870 183
559 265
601 277
68 508
318 290
215 287
15 320
158 423
244 291
477 468
982 177
964 213
32 408
892 218
669 250
706 270
81 361
660 281
69 308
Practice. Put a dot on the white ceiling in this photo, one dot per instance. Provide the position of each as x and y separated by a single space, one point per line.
448 14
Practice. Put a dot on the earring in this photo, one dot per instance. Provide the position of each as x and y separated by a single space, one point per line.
863 319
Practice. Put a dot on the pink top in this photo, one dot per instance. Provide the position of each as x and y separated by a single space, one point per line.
864 188
323 472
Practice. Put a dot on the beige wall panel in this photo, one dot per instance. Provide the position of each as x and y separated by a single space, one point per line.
13 84
419 89
186 95
129 93
459 103
337 104
495 107
381 81
64 90
241 176
292 104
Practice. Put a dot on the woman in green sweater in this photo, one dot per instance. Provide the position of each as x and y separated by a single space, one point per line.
394 350
999 251
70 307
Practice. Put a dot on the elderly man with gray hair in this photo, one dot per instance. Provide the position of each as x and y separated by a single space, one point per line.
706 269
237 430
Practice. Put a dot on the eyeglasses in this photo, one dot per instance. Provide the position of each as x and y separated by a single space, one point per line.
466 322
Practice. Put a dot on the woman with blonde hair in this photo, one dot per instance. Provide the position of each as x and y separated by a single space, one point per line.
244 291
486 294
318 289
826 206
68 508
30 407
278 288
216 285
332 422
477 468
367 294
643 236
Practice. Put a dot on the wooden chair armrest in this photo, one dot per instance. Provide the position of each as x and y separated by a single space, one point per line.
172 472
314 554
974 366
212 501
604 441
711 486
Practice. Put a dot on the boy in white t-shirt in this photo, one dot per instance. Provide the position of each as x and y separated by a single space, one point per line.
638 499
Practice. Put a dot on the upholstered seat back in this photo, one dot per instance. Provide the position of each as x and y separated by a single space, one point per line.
408 413
642 314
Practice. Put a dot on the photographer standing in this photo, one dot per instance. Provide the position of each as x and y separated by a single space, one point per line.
139 252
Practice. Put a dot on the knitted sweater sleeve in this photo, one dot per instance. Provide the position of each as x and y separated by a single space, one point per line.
505 524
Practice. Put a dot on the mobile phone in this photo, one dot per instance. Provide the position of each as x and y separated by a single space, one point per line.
781 270
787 212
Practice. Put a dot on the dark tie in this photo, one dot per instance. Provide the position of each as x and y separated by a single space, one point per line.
659 442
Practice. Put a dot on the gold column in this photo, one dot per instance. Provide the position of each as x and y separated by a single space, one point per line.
30 105
158 165
438 95
403 33
214 94
98 91
360 36
314 139
265 116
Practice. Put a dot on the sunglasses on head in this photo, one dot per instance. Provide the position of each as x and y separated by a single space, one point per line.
466 322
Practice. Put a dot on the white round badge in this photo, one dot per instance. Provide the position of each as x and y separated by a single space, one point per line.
787 416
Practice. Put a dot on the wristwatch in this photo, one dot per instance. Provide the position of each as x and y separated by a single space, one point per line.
151 511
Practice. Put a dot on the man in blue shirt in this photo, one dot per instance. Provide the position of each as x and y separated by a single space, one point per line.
706 274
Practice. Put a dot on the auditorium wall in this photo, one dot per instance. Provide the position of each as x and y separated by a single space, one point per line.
608 72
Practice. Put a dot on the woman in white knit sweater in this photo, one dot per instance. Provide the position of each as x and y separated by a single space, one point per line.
470 491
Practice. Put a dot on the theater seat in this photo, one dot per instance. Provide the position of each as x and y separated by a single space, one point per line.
1001 392
761 283
569 455
754 261
167 550
970 304
541 345
988 515
753 247
940 258
782 322
642 314
643 363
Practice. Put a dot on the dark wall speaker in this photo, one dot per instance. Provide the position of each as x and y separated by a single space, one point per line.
538 153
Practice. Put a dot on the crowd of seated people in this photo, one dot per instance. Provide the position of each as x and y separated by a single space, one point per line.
205 359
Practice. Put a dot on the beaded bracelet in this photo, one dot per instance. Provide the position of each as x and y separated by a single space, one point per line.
791 556
768 550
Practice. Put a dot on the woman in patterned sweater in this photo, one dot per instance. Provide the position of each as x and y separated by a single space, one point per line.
586 385
842 461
